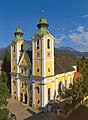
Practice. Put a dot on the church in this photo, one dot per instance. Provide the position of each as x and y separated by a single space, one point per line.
38 76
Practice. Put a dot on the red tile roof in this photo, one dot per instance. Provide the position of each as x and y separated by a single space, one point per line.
76 75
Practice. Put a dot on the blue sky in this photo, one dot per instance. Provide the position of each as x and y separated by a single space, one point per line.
68 20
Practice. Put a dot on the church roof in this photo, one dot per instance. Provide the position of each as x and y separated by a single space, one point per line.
30 55
62 62
18 34
42 26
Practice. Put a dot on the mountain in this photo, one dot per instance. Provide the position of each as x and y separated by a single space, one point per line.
2 52
71 51
67 50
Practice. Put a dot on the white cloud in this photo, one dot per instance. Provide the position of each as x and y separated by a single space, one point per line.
84 16
81 37
78 38
80 29
58 40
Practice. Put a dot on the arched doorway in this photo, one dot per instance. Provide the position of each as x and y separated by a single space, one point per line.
60 87
23 97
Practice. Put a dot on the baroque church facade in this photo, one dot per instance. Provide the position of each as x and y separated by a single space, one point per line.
38 76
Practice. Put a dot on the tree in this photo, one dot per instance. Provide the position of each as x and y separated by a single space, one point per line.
3 97
4 78
6 66
79 89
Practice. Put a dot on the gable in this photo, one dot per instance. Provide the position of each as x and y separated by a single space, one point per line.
25 60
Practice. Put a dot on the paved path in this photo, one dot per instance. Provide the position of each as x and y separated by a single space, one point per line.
21 112
28 113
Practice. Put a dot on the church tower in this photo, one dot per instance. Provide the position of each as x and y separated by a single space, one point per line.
43 50
18 46
42 64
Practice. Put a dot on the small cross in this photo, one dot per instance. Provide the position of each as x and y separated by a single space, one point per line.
42 13
18 24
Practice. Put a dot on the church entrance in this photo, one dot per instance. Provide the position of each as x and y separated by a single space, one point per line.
61 87
24 97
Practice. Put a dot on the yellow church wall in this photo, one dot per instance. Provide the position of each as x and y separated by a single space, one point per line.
14 88
71 75
49 65
37 64
54 83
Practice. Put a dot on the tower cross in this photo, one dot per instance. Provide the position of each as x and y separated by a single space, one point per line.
42 13
18 24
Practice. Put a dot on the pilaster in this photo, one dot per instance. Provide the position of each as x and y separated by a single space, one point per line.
43 95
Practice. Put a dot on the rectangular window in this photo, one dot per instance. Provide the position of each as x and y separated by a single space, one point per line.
38 54
37 44
29 71
48 43
22 49
48 54
21 70
29 87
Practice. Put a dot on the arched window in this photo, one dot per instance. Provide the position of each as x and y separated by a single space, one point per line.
37 44
49 94
37 88
22 48
48 43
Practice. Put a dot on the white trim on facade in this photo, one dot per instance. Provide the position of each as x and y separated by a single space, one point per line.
56 86
33 92
52 90
18 89
68 82
43 95
12 86
43 68
53 56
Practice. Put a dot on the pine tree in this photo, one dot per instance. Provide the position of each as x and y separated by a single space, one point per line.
6 66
